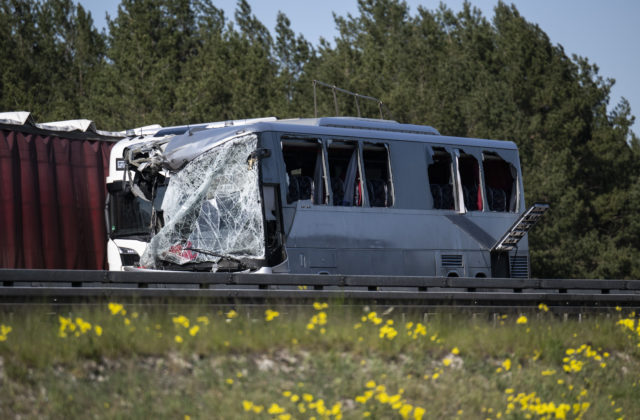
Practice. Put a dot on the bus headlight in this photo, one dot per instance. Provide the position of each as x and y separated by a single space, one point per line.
128 256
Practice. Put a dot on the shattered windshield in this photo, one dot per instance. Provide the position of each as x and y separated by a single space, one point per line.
211 209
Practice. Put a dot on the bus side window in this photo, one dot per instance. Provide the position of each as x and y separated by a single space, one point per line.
344 171
440 180
470 180
377 175
500 180
305 171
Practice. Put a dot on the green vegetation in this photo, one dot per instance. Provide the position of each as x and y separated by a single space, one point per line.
325 361
183 61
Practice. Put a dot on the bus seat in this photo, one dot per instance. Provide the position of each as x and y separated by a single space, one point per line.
498 200
300 188
378 193
306 187
470 197
337 186
442 196
436 193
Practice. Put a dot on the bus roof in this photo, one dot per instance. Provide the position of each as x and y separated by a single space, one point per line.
183 148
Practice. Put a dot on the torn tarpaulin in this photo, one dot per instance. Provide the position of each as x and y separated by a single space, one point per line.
211 209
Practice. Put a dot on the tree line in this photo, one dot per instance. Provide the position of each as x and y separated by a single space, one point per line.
183 61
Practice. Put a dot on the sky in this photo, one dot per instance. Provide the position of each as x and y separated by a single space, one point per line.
605 32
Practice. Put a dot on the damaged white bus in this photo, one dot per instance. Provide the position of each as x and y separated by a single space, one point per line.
336 196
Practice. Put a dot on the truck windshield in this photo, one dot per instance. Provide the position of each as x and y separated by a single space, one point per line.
211 209
130 216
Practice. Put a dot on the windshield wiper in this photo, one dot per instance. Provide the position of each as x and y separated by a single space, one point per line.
221 256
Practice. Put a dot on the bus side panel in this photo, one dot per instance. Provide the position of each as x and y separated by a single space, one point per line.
378 241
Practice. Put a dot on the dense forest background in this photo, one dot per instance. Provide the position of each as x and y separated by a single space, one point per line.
500 77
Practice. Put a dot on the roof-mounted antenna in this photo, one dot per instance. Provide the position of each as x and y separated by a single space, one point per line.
334 89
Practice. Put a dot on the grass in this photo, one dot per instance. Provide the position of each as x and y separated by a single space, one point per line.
236 366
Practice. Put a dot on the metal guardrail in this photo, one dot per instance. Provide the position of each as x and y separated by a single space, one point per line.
21 286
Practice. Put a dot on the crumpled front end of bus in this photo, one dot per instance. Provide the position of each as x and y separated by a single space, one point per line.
211 210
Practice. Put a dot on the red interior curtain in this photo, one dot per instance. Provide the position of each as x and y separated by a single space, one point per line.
52 194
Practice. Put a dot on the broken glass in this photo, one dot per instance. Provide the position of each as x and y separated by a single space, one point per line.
211 209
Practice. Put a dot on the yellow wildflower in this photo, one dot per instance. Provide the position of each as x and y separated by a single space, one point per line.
232 314
181 320
247 405
543 307
5 330
446 361
178 339
275 409
455 351
418 413
388 332
194 330
521 320
83 325
115 308
370 384
204 320
269 315
405 410
335 409
229 381
383 397
98 330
